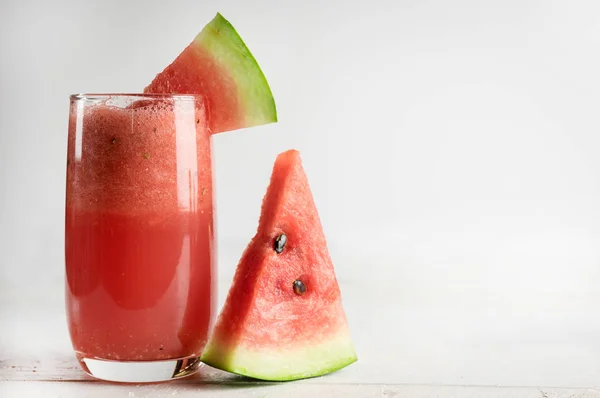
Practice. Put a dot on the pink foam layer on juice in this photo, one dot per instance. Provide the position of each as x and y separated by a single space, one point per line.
139 159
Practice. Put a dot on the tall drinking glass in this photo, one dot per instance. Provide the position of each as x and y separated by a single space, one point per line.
139 250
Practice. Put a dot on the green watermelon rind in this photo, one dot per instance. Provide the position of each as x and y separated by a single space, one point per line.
278 364
221 39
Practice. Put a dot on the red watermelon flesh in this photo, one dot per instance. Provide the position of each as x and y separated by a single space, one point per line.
218 65
269 327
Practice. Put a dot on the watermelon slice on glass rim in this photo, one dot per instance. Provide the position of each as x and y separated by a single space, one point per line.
218 65
283 318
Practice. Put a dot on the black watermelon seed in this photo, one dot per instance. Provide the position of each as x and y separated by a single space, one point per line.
280 242
299 287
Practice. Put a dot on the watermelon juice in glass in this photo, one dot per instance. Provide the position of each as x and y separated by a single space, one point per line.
139 250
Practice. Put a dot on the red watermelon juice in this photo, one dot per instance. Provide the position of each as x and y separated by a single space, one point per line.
139 235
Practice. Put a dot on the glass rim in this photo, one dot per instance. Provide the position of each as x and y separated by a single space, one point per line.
103 96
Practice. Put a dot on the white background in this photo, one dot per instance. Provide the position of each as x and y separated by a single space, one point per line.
452 149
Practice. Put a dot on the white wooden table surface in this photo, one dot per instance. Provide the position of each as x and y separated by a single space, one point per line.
414 339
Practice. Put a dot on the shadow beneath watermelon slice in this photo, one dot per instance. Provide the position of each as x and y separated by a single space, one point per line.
208 378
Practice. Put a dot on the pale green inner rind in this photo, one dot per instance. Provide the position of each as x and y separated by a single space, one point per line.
282 364
221 39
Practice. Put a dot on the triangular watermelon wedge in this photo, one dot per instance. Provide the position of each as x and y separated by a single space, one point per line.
283 318
218 65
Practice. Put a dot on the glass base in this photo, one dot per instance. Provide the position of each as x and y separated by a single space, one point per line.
139 372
